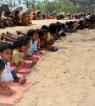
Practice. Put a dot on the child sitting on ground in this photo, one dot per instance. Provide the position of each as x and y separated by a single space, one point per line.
16 19
21 44
25 20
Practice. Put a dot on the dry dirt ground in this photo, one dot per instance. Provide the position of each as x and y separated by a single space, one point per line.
66 77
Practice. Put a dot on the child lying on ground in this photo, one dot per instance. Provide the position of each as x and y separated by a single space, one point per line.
33 41
21 44
6 52
52 30
43 38
49 39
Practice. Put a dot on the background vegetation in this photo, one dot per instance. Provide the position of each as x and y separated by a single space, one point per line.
48 6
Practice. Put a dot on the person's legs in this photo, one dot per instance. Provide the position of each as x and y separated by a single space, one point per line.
7 23
11 35
1 24
7 38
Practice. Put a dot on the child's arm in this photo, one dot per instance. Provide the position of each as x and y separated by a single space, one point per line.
21 64
3 85
21 80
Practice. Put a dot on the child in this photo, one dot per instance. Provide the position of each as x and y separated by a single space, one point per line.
16 18
62 31
33 35
43 38
49 40
25 20
21 44
53 30
34 43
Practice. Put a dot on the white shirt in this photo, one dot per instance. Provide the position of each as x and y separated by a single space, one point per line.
6 74
33 46
3 16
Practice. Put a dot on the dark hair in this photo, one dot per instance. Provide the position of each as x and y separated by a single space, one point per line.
16 12
58 25
52 28
41 32
2 64
62 34
20 41
31 32
69 23
45 27
5 45
63 25
7 12
81 22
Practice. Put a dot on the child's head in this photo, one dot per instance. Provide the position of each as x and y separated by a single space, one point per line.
58 25
52 28
45 27
7 13
22 43
43 34
16 13
32 34
62 26
2 66
6 51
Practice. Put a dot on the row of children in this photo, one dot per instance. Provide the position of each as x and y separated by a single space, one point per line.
11 53
28 44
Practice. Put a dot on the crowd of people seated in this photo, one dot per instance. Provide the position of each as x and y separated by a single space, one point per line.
6 20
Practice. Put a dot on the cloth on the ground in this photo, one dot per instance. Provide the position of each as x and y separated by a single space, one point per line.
26 70
18 91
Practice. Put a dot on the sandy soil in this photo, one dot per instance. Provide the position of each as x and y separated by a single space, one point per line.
66 77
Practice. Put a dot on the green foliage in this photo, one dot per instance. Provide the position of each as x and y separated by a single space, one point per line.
49 5
66 7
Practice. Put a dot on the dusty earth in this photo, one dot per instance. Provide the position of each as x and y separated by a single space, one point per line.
66 77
